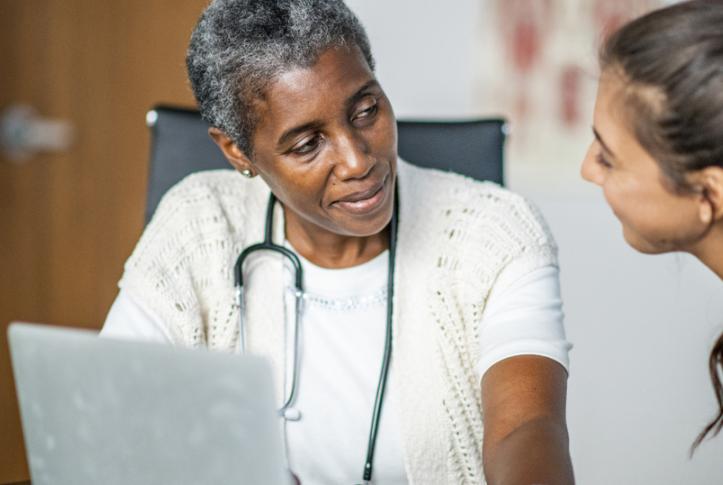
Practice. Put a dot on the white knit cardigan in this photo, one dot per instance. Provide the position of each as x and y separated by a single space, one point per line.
455 236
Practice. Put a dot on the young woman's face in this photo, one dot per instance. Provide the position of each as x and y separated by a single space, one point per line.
326 144
654 217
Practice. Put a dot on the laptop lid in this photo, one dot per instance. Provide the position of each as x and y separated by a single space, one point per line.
98 410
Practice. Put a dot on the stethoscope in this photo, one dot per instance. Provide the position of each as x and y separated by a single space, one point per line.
286 411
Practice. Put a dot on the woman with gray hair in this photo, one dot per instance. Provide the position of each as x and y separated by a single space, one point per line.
450 284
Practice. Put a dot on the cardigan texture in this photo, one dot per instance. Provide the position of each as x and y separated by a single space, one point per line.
455 236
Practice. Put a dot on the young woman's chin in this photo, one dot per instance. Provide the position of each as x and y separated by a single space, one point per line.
644 245
640 246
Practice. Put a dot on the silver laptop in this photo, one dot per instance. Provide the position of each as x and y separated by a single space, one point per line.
102 411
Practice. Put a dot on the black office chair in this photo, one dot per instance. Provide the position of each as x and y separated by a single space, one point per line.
180 145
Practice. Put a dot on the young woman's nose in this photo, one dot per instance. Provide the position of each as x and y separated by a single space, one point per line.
590 170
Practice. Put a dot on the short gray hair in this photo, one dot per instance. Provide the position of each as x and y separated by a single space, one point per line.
240 46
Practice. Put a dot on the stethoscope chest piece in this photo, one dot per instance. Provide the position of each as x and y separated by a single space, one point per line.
290 414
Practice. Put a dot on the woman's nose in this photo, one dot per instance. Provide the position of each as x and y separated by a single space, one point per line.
590 170
353 158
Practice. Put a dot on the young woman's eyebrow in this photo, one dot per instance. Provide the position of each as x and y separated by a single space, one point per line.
601 142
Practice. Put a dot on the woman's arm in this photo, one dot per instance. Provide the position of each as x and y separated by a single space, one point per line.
523 405
129 319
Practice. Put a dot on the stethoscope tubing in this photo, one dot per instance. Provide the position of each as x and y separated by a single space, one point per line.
386 359
268 245
291 389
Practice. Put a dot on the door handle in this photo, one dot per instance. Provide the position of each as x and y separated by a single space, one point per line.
24 133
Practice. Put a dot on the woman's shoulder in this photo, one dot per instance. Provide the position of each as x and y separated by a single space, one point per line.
203 199
473 207
441 183
203 191
211 209
190 244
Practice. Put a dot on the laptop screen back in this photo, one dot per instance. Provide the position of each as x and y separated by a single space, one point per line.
118 412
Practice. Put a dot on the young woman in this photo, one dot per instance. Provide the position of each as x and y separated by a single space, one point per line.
658 148
458 277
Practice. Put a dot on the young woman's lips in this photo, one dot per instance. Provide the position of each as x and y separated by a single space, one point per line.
365 202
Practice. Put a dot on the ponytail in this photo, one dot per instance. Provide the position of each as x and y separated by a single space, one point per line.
715 365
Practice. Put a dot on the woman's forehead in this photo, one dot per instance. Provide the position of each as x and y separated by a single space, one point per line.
612 118
613 121
324 87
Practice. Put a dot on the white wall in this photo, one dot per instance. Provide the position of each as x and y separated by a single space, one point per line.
422 49
642 326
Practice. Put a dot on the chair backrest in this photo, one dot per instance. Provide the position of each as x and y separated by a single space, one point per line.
180 145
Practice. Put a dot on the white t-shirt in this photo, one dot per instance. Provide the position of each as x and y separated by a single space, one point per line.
342 341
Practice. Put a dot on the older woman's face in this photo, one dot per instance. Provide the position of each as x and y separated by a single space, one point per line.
654 217
326 144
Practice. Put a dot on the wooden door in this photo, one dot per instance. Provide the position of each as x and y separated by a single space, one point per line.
69 220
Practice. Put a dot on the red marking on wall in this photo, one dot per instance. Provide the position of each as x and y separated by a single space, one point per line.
570 95
524 25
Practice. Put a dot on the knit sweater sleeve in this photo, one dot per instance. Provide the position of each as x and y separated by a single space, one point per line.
187 247
457 237
487 226
523 234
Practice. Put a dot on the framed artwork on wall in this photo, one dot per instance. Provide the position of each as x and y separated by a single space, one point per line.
537 65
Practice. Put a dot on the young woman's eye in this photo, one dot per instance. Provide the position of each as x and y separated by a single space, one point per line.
602 161
307 146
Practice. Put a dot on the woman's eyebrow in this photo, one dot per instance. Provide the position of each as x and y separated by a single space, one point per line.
362 91
601 142
353 99
292 132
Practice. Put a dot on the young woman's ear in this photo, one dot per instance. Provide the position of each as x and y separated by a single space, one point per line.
235 156
710 180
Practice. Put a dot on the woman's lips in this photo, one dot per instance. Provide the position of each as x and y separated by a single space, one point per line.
364 203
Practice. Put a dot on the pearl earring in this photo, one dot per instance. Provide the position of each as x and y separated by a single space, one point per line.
247 173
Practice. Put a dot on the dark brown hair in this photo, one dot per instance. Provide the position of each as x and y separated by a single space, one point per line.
671 61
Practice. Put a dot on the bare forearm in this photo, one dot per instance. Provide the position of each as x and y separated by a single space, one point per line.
535 453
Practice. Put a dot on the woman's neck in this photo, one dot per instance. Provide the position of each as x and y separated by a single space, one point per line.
329 250
710 250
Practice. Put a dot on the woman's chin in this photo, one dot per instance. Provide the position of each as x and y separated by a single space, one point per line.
643 245
371 227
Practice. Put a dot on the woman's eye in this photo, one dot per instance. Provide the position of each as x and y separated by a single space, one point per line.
366 112
307 146
601 160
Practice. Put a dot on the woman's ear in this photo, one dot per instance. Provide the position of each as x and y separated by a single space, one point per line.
235 156
710 180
